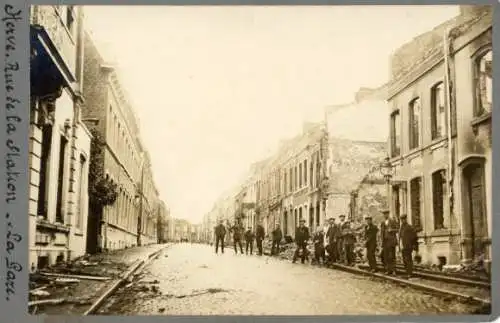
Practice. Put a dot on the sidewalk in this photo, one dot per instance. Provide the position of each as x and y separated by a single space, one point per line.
74 294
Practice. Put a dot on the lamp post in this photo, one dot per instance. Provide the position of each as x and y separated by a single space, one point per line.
387 171
141 205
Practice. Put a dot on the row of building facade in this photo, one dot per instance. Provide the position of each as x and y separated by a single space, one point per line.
432 120
91 180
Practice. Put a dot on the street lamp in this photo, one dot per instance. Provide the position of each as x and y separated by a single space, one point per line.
387 171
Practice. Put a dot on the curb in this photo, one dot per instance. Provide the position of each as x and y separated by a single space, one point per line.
422 287
126 275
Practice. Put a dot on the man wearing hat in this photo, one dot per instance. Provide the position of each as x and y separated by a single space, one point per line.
301 238
220 233
409 243
277 237
349 239
332 237
340 240
259 236
388 231
371 231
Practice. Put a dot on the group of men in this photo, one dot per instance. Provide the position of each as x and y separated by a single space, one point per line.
239 233
334 244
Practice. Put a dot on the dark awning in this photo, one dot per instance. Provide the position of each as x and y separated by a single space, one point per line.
48 68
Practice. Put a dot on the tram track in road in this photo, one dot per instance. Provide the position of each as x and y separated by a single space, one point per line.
128 276
446 286
440 277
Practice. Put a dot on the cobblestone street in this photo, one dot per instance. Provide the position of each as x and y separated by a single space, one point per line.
190 279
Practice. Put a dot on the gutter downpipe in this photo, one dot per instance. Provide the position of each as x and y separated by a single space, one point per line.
451 150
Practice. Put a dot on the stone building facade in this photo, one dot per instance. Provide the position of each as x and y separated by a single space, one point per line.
354 151
440 119
110 113
59 143
131 219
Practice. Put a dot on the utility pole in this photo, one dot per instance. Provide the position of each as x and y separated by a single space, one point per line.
141 196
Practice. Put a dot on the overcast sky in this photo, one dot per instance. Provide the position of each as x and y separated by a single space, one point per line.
216 88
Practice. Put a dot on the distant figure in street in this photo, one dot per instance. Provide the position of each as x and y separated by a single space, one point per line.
409 243
249 236
340 241
277 235
220 233
332 237
371 232
237 230
259 237
388 232
349 240
319 246
301 238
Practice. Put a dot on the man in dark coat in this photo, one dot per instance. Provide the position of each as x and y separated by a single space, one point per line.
349 239
332 236
319 246
277 235
260 233
301 238
238 231
409 243
340 240
220 233
371 232
249 236
388 231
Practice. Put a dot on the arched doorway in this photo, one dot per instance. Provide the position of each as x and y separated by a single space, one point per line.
475 227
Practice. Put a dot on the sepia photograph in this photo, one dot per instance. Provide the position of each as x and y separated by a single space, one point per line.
260 160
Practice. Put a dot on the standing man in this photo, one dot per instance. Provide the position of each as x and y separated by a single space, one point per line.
301 238
319 246
349 240
388 232
371 232
409 243
259 237
220 233
340 240
277 236
332 236
237 235
249 236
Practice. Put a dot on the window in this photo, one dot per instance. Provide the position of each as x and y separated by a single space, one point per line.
81 195
285 182
300 175
484 89
291 180
305 172
395 134
311 173
438 114
416 202
43 186
60 180
438 198
414 123
296 179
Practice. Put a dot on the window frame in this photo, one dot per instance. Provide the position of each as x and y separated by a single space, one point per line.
411 119
434 112
444 187
393 122
478 110
420 180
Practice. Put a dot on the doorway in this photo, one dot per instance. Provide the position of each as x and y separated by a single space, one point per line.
475 222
